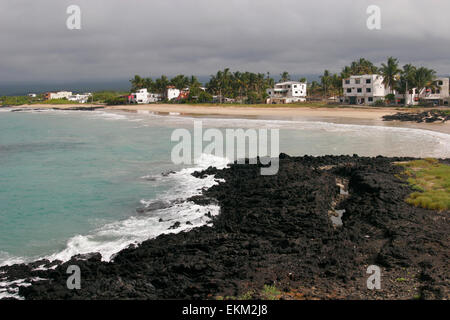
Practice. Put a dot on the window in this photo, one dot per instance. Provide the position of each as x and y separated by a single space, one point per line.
357 81
296 92
368 90
441 83
359 90
370 99
349 90
368 81
347 81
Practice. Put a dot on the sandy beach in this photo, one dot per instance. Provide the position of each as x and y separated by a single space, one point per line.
344 115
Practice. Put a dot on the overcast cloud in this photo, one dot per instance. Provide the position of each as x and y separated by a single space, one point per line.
121 38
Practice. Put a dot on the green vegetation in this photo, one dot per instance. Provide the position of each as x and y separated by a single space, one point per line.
19 100
58 101
250 88
271 293
431 180
104 96
267 293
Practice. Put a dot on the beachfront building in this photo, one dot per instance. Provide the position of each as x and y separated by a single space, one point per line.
438 95
80 98
57 95
172 93
411 98
142 96
287 92
363 89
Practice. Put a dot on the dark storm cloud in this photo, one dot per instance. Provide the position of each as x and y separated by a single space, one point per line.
121 38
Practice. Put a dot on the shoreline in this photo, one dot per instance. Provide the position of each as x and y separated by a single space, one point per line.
277 230
339 115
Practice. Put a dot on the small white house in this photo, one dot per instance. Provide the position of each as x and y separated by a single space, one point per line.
172 93
32 95
142 96
287 92
80 98
363 89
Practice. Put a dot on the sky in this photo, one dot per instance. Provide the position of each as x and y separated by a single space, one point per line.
121 38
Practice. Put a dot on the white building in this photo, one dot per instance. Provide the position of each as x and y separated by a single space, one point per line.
58 95
364 89
438 95
142 96
80 98
32 95
172 93
287 92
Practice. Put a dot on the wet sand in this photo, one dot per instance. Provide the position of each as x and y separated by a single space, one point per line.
342 115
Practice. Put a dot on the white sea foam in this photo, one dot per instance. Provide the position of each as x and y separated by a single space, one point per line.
10 289
116 236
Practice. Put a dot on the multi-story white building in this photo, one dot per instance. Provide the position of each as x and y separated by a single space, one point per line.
142 96
287 92
364 89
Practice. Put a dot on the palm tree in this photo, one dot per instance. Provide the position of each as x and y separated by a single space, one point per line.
406 80
390 72
424 78
161 84
285 76
136 83
325 81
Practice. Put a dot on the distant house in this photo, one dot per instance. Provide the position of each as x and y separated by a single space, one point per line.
142 96
173 93
57 95
32 95
287 92
80 98
363 89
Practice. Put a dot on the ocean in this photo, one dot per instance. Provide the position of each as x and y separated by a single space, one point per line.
73 182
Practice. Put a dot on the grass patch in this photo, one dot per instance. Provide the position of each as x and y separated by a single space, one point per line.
59 101
431 181
270 293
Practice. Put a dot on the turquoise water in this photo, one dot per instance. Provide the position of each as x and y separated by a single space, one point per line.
70 182
61 175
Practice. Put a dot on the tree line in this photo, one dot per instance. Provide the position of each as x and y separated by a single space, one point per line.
249 87
400 79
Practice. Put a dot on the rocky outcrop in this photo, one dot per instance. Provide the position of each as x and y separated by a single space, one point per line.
426 116
276 230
